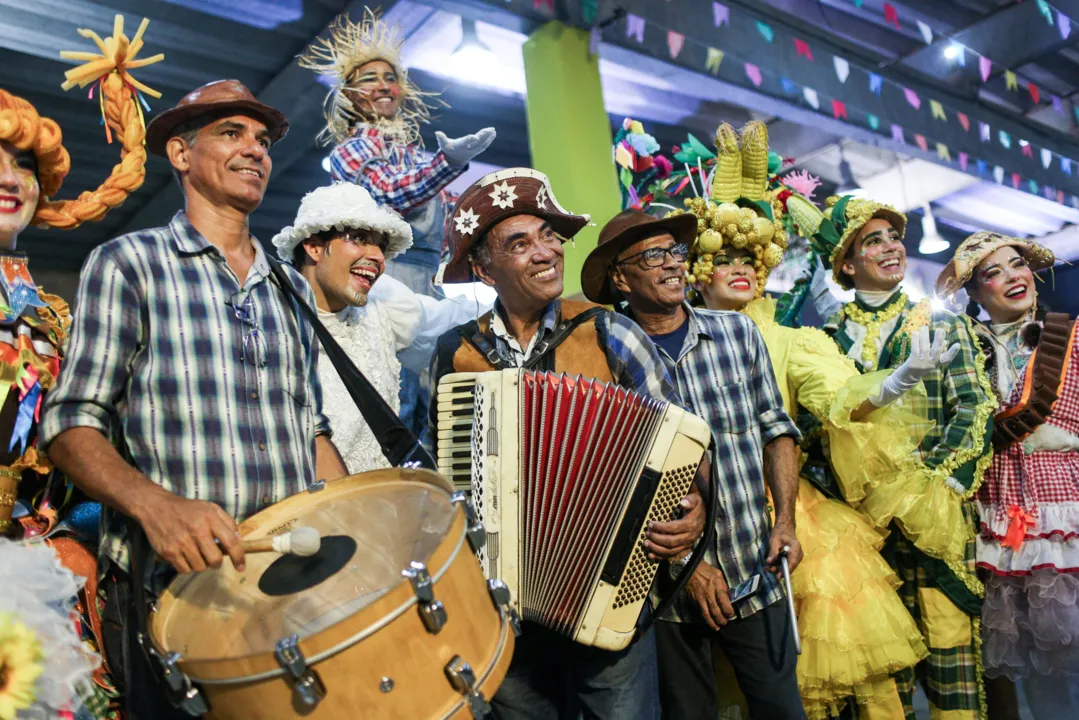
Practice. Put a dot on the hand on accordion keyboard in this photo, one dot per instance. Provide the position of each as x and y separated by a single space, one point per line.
708 588
664 541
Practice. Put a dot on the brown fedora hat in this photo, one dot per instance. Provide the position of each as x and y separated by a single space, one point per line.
216 97
624 229
490 200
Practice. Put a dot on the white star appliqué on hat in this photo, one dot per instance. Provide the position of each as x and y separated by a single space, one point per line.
467 222
503 195
541 197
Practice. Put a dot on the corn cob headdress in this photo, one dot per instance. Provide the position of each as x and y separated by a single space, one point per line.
121 107
831 232
350 46
740 211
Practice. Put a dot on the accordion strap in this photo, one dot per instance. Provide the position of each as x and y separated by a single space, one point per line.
1042 385
474 336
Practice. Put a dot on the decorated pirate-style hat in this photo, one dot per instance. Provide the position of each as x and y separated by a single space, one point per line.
740 211
349 46
832 233
492 199
976 248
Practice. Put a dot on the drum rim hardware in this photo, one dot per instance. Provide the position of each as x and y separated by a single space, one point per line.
463 680
306 684
477 534
501 597
432 611
192 702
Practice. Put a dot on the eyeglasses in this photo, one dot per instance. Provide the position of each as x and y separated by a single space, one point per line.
655 257
254 342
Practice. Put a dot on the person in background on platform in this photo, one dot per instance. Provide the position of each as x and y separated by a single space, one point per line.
341 242
373 118
929 510
1029 505
189 358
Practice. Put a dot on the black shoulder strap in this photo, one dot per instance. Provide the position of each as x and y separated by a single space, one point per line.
399 444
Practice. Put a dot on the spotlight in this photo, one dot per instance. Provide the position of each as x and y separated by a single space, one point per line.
472 56
953 51
931 242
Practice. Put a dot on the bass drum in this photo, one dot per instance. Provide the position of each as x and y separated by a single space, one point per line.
391 619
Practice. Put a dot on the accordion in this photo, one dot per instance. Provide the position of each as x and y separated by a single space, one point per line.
565 473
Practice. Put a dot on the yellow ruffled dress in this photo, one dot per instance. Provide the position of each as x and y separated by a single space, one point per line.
855 630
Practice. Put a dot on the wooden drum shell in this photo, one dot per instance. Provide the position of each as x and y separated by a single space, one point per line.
394 642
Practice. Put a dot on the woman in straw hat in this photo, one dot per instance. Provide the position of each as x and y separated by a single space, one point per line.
1029 504
34 327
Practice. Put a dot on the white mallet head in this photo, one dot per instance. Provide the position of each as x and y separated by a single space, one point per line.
302 541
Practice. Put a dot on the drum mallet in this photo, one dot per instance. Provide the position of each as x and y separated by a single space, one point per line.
790 598
302 541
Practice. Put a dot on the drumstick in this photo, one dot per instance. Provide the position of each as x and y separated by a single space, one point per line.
790 598
302 541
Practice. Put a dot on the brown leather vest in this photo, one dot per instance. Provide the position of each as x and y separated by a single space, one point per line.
580 353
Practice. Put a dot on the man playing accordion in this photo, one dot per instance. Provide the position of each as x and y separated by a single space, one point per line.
507 231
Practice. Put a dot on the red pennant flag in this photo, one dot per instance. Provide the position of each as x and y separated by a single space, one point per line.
839 110
891 16
1035 93
921 141
1027 150
963 120
1015 180
802 48
1060 196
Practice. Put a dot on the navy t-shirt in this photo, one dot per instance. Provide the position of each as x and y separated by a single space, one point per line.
672 342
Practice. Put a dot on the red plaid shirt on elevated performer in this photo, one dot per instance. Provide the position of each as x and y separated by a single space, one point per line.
396 175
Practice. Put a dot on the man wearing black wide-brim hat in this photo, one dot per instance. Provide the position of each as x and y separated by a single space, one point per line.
508 232
185 351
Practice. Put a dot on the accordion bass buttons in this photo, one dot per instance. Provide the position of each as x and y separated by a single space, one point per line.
463 680
477 534
432 612
500 596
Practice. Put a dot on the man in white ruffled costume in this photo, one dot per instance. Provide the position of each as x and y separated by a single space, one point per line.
341 241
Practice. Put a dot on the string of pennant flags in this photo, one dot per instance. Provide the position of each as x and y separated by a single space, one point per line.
635 28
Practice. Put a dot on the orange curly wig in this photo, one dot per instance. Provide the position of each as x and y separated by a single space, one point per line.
21 126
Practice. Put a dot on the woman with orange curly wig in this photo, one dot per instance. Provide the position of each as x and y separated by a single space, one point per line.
34 324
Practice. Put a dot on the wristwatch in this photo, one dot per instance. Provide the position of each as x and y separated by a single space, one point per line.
675 567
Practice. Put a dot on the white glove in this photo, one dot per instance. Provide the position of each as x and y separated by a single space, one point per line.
824 302
924 359
459 151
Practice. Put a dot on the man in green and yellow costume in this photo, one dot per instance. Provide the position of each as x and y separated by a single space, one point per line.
929 505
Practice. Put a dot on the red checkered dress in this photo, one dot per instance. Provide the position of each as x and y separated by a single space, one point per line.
1043 484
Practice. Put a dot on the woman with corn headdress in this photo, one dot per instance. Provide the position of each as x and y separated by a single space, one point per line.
854 627
34 324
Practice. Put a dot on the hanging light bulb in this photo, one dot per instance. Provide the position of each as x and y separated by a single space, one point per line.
472 56
931 242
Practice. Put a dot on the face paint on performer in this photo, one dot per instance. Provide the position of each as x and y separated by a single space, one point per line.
1004 285
734 280
19 192
345 266
526 263
374 89
877 259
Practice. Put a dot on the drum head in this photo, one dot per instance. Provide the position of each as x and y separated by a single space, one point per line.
372 527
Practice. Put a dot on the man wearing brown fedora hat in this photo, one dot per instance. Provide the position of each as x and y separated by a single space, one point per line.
724 375
185 353
508 232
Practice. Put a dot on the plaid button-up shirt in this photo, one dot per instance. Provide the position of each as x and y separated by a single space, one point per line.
210 385
725 376
396 175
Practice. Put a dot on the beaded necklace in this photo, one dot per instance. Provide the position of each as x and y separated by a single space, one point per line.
872 322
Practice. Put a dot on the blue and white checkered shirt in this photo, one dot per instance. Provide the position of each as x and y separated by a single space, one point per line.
725 376
210 385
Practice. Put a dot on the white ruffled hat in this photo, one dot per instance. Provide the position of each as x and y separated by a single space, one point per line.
343 206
